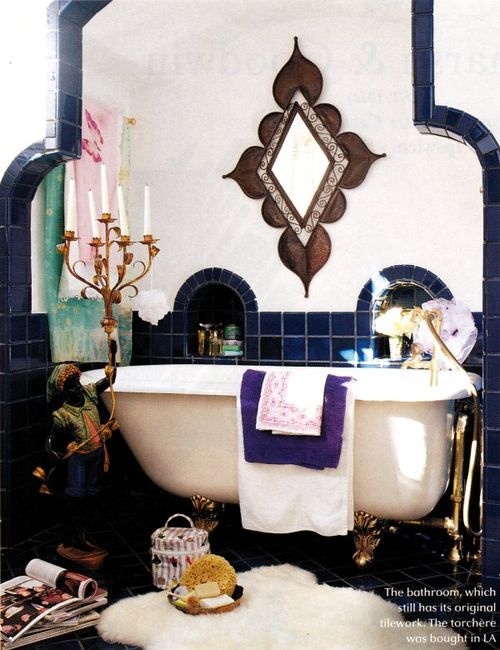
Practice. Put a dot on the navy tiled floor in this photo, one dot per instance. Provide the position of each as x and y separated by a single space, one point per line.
408 560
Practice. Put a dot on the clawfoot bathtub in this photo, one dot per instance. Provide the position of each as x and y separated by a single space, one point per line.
180 423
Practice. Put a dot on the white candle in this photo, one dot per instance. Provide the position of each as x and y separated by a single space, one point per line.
147 212
104 191
122 212
93 217
71 207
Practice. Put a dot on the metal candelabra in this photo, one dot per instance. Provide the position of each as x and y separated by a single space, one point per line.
102 282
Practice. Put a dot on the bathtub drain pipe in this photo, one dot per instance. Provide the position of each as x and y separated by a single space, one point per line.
461 490
476 446
460 497
475 457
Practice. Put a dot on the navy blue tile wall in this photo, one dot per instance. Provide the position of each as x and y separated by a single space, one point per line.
458 125
299 338
24 344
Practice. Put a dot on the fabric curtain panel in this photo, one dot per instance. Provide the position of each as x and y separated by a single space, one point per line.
74 323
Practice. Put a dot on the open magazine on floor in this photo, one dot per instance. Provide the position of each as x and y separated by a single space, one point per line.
47 599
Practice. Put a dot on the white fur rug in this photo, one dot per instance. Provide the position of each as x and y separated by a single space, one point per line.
283 608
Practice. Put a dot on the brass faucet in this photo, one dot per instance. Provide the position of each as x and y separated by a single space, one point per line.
433 321
460 496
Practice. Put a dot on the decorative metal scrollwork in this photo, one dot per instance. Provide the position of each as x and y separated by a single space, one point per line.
302 167
367 532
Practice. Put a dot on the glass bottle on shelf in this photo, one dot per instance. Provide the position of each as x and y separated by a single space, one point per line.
204 339
216 341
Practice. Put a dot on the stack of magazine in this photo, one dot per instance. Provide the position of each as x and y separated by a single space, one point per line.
48 601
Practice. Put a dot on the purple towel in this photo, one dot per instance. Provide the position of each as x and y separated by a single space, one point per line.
316 452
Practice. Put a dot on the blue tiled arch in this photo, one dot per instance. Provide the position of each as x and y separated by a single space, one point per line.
385 278
401 273
220 276
24 335
456 124
199 280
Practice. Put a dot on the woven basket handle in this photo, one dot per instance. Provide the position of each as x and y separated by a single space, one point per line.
179 514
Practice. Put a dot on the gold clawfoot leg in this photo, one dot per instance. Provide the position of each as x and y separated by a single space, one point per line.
205 512
367 533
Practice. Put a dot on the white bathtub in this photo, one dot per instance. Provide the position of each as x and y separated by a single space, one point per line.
180 423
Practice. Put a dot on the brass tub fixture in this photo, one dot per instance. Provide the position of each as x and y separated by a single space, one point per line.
433 321
461 482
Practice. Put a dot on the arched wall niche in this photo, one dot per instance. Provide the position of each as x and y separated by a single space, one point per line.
401 285
211 295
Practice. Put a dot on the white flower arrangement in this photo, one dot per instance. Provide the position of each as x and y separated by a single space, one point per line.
395 322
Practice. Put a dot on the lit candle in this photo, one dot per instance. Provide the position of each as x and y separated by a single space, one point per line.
104 191
147 212
93 217
71 207
122 212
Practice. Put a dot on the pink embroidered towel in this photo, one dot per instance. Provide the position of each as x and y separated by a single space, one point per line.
290 406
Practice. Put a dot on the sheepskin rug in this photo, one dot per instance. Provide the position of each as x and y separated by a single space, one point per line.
283 608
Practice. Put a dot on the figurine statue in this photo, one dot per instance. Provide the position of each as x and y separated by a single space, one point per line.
78 438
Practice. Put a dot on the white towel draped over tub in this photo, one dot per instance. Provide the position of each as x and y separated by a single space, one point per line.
288 498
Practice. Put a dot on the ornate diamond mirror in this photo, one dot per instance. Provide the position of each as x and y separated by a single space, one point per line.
303 167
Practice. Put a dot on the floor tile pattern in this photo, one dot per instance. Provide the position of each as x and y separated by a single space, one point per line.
407 562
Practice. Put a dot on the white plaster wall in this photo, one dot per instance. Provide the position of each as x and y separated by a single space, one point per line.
467 46
196 120
198 104
23 74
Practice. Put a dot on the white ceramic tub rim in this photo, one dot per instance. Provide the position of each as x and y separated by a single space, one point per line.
371 384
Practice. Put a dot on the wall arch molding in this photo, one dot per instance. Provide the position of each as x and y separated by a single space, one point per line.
26 349
184 321
400 273
219 276
433 119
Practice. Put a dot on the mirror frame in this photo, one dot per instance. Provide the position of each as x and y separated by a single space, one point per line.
304 246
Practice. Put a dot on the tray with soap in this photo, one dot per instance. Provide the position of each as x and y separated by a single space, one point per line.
208 586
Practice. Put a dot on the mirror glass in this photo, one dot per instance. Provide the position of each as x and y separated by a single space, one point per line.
405 295
300 165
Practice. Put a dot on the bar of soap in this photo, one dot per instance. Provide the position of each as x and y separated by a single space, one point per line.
216 601
207 590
